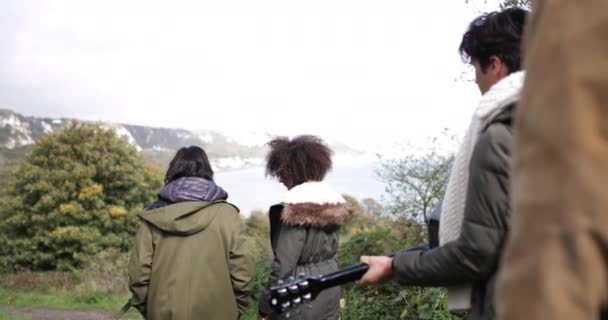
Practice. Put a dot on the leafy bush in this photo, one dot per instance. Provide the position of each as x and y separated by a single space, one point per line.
377 302
389 301
258 233
383 238
77 193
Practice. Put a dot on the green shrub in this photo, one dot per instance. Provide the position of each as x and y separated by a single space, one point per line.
389 301
77 193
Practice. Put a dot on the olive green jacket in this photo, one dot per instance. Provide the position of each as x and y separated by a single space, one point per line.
190 262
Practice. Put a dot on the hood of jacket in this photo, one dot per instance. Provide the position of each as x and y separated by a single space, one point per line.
192 189
315 204
187 217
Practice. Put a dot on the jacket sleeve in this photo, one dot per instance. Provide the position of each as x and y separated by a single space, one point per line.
241 267
140 265
288 248
475 254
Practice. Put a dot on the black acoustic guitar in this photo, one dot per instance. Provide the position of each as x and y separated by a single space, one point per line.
295 291
292 292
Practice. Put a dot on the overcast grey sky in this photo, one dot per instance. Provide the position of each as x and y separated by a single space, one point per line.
346 69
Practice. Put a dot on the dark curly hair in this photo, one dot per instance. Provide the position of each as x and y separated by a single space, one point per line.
189 162
498 34
302 159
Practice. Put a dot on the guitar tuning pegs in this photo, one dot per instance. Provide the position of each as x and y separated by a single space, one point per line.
303 284
307 297
285 305
274 301
282 292
280 282
293 289
291 279
296 301
301 275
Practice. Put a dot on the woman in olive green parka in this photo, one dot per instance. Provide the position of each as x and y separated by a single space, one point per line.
189 260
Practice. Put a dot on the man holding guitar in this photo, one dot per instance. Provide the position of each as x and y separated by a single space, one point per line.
475 216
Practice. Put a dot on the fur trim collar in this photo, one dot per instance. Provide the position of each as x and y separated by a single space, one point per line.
315 204
314 191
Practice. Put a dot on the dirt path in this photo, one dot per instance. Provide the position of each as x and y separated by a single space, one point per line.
56 314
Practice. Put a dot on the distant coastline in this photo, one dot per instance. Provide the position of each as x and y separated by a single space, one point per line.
250 190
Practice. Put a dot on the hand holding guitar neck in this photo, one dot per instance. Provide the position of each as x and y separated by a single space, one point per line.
295 291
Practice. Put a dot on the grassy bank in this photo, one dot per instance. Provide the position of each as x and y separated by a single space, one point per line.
7 316
60 290
71 301
62 300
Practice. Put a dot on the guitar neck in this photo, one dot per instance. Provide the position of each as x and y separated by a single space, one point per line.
343 276
286 295
348 274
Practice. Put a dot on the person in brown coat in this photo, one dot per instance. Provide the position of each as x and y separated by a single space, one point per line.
556 260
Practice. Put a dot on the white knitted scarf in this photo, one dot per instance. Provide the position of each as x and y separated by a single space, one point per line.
502 94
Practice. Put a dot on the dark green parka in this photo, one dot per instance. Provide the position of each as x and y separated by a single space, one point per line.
304 237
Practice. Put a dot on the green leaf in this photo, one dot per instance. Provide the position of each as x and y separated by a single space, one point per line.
426 314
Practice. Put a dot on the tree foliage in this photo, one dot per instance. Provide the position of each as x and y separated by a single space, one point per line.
76 193
361 219
511 3
416 182
516 3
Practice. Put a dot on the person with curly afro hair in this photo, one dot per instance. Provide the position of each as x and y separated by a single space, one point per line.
304 226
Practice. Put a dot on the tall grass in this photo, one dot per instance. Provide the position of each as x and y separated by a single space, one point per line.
100 285
8 316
